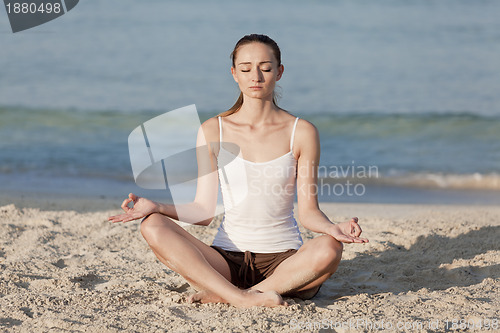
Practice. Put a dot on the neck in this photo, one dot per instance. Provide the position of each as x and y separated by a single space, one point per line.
255 110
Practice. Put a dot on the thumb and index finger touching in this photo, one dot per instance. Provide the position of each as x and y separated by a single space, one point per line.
356 231
355 228
124 217
131 198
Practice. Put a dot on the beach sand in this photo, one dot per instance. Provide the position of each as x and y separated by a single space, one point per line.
426 268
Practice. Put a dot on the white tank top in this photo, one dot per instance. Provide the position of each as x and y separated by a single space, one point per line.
258 202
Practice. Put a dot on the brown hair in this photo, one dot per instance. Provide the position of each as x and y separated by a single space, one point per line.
252 38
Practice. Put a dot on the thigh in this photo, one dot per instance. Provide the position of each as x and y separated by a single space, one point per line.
235 261
164 226
315 255
266 263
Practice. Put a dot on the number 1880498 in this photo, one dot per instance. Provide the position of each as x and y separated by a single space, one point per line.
32 8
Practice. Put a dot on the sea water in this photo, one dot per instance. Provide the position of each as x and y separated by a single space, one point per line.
408 90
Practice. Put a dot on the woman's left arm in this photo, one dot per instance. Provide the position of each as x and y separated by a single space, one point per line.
311 217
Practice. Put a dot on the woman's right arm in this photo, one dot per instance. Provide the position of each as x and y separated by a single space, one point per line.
201 210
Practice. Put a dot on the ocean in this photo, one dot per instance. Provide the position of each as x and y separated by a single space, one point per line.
404 94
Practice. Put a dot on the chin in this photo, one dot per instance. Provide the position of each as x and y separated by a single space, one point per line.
259 94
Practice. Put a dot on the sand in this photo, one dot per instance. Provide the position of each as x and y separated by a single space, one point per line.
426 268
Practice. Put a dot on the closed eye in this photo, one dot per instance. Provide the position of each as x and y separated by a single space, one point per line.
248 70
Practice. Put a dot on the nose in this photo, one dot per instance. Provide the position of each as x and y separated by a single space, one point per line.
257 75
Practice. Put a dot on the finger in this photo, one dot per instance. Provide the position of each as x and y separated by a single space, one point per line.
113 217
121 218
356 229
348 239
344 238
132 218
355 240
361 240
129 218
125 203
116 218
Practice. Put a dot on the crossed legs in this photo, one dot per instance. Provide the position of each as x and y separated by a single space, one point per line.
206 270
302 274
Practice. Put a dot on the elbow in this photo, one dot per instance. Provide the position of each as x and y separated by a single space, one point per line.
303 215
303 220
204 214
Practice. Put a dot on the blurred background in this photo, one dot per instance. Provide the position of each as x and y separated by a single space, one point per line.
410 88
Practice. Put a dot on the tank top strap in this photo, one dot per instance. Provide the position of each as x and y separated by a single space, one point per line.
220 129
293 133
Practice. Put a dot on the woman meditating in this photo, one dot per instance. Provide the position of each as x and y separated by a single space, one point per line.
261 155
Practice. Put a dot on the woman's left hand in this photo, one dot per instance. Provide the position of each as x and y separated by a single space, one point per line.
347 232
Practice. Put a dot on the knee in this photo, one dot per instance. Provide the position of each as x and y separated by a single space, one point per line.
149 227
328 254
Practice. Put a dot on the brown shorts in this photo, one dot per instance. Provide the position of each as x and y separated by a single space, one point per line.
248 268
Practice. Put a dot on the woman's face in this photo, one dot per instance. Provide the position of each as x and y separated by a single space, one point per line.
256 70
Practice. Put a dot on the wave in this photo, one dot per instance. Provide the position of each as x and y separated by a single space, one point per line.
428 180
376 123
431 125
433 149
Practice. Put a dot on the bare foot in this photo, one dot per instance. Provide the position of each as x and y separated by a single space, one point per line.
258 298
249 298
205 297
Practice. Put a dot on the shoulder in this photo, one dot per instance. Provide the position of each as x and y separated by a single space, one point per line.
306 141
211 125
208 134
210 129
304 127
305 130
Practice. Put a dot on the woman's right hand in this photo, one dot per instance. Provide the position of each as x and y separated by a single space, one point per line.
142 208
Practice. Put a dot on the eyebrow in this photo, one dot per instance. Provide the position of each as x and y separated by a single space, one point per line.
249 63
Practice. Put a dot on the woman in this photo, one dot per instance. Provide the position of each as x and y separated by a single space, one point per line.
257 255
